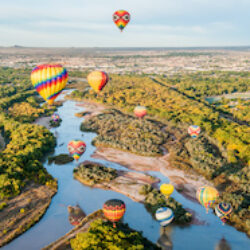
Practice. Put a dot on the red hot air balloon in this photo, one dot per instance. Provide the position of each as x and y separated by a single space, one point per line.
121 18
140 111
114 210
76 148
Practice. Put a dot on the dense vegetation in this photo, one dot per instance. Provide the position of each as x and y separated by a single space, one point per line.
154 200
102 235
221 154
26 143
60 159
126 132
19 161
93 173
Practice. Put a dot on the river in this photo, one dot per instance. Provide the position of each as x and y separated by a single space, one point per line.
55 224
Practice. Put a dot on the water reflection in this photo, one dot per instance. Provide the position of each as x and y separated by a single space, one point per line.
223 245
165 241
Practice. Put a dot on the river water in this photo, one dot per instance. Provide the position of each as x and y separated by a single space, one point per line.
55 224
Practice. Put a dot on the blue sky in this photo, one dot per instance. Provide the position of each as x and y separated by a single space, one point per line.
154 23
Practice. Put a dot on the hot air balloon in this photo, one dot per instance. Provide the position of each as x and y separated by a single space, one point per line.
164 215
76 148
49 80
140 111
121 18
55 117
223 210
207 196
97 80
114 210
194 131
167 189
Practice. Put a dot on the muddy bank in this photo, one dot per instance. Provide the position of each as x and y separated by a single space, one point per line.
186 184
23 211
64 241
91 109
127 183
44 121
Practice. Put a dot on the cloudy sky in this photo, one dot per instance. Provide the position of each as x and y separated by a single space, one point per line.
154 23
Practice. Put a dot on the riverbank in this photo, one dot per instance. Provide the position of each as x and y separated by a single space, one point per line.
186 184
64 241
43 121
127 183
23 211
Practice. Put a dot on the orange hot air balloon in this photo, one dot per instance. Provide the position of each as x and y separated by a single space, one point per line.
114 210
49 80
97 80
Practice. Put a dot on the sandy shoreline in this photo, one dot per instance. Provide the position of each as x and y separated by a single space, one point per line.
185 183
127 183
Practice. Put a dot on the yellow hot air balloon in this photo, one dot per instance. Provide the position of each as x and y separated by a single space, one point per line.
97 80
167 189
207 195
49 80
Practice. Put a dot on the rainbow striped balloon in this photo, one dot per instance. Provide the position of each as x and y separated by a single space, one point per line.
121 18
164 215
194 131
223 210
207 196
140 111
76 148
49 80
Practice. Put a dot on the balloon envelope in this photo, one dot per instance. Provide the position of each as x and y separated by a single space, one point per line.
167 189
223 210
114 209
49 80
194 131
164 215
97 80
121 18
55 117
140 111
207 195
76 148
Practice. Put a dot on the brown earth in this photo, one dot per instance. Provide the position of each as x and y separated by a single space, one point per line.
186 184
127 183
23 211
